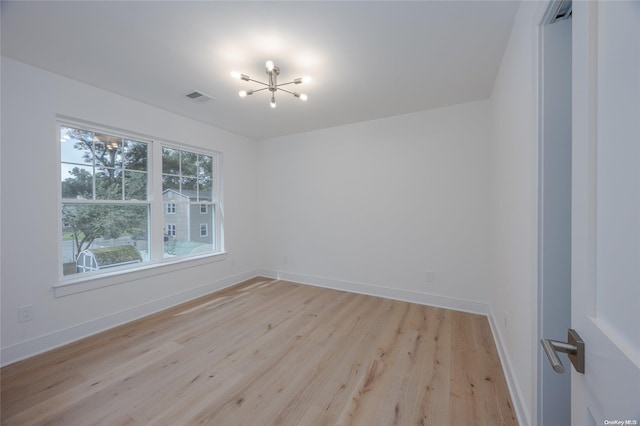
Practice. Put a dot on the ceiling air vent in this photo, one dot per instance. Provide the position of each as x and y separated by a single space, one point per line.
199 96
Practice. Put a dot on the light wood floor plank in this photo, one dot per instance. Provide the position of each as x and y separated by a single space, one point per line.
270 352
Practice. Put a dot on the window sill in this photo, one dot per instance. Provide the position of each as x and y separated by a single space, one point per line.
69 286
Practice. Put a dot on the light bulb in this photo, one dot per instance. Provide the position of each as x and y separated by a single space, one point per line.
239 76
242 93
302 80
273 102
269 65
303 97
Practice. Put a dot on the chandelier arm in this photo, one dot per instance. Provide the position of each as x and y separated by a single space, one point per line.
259 82
284 90
284 84
259 90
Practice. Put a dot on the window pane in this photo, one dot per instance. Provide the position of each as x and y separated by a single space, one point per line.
108 150
135 155
189 186
108 184
98 236
170 161
77 181
135 185
76 145
205 166
170 182
189 163
183 235
204 191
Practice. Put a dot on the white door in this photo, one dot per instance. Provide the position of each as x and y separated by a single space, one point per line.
606 211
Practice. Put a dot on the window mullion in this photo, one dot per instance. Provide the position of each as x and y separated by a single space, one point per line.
156 234
216 197
93 166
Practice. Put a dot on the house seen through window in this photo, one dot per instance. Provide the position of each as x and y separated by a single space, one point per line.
107 203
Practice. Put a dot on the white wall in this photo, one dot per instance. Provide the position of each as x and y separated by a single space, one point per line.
373 206
31 98
514 176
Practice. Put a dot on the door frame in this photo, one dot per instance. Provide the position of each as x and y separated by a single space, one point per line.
553 393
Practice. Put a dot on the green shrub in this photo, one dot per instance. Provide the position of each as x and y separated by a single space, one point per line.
117 254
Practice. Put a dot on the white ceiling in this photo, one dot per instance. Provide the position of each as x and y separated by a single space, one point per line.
367 59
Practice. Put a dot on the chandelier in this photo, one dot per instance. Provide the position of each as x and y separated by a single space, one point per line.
272 85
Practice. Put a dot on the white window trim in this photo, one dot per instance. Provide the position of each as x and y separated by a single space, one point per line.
206 229
94 281
170 208
71 284
206 208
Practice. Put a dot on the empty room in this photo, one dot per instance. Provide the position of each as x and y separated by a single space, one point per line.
319 212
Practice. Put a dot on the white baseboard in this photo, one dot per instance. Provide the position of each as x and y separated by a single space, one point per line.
389 293
31 347
267 273
524 418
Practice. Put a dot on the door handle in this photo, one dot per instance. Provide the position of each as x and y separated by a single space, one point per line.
574 347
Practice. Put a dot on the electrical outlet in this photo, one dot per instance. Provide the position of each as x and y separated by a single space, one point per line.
25 313
429 276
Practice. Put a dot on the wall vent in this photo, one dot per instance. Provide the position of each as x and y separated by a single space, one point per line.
198 96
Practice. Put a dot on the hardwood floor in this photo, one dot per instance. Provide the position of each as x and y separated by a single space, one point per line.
270 352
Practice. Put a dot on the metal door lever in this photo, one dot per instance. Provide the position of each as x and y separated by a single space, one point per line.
574 348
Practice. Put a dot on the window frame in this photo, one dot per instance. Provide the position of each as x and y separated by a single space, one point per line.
73 283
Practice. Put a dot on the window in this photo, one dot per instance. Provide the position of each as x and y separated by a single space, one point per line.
108 199
188 181
104 194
